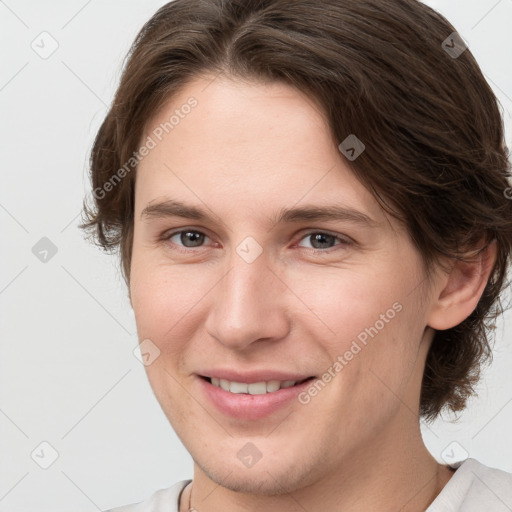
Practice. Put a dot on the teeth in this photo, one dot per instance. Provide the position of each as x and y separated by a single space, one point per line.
237 387
273 385
255 388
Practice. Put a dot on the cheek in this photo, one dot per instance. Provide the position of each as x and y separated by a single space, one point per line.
369 329
343 305
165 301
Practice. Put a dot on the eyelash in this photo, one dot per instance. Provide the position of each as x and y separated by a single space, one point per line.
344 242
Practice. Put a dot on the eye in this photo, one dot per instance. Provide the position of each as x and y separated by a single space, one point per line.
318 240
187 238
321 240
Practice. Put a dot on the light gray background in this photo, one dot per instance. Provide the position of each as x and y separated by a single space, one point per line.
67 369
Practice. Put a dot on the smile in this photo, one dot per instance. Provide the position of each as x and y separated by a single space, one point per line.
251 401
254 388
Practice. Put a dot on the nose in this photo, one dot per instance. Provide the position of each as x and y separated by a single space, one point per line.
248 305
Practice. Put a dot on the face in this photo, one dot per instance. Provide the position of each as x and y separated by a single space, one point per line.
259 257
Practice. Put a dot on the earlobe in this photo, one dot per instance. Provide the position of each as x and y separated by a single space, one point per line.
462 288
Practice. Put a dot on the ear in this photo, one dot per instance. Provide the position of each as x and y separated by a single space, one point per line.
460 290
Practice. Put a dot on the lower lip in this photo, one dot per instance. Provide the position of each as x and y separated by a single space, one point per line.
250 407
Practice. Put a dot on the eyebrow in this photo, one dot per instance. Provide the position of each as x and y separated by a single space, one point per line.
173 208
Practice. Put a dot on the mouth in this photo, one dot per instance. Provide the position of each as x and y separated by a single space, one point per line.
254 388
252 401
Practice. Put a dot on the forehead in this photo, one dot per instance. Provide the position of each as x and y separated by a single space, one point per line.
240 118
246 144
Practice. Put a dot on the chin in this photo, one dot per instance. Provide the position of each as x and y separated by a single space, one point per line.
261 484
270 477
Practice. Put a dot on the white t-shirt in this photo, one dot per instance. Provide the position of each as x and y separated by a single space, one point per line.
472 488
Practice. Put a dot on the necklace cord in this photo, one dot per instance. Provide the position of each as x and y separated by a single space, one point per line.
190 509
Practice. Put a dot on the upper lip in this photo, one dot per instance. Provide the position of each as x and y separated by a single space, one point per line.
252 376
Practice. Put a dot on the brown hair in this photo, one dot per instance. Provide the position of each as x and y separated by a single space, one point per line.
435 155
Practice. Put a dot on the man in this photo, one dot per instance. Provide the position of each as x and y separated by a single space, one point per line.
314 232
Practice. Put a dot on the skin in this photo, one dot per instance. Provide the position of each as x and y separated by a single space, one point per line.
245 151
